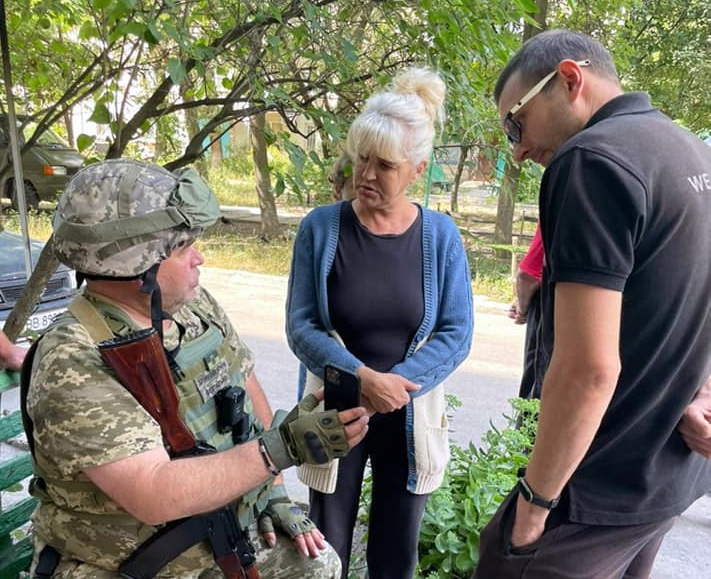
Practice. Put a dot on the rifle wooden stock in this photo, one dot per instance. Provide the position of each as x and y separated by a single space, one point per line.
231 568
140 365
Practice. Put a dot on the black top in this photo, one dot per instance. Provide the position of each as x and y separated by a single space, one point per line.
626 205
375 289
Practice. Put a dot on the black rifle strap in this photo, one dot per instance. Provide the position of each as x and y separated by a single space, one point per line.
162 547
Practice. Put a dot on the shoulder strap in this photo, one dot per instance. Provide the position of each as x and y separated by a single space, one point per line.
98 329
89 317
27 423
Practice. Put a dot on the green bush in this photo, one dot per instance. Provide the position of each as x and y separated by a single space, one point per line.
477 480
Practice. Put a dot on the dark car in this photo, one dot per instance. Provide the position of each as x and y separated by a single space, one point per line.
60 289
46 166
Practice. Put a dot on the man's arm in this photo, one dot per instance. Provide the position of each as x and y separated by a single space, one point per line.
695 424
577 389
11 356
528 278
526 287
155 489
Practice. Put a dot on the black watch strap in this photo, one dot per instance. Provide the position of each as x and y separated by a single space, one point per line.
530 496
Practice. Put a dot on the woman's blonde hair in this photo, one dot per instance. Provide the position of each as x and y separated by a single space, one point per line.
399 123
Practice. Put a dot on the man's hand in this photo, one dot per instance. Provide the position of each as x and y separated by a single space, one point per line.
384 391
525 287
305 436
11 355
695 423
284 514
529 523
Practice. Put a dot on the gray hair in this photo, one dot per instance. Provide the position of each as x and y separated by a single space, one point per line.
399 123
540 54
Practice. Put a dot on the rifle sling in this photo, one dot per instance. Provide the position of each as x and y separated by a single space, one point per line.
168 543
88 316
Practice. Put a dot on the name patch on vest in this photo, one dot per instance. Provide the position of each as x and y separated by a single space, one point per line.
214 380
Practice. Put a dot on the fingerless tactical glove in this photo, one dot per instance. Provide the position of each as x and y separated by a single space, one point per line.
285 514
304 436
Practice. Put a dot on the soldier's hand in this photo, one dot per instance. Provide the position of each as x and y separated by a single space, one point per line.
282 513
305 436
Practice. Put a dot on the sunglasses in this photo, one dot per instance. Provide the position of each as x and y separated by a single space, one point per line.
512 127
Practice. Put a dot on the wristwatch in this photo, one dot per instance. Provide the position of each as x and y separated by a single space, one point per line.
529 496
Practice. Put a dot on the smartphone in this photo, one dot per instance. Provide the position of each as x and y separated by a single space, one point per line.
341 389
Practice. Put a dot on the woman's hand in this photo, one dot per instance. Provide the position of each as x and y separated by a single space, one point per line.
384 391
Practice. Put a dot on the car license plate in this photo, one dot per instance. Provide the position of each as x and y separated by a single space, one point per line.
38 322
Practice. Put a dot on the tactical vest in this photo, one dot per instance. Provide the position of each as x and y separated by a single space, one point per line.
203 366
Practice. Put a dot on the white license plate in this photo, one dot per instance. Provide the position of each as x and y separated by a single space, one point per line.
38 322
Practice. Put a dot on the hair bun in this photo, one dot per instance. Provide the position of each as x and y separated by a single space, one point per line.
425 84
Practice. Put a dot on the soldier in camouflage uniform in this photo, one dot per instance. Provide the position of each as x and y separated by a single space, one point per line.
103 476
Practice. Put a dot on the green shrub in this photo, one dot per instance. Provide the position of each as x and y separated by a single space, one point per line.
477 480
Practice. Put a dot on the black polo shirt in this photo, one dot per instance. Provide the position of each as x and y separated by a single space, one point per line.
626 205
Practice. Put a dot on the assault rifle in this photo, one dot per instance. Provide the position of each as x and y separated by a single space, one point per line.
140 364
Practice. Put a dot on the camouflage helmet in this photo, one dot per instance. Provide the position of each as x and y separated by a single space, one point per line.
120 217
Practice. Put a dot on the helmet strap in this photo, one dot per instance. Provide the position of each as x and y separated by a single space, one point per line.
150 286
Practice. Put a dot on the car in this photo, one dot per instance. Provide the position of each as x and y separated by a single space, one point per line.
55 298
46 166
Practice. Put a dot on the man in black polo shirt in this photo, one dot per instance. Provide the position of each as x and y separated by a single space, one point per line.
625 209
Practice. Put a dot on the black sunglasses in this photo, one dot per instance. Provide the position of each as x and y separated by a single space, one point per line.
512 127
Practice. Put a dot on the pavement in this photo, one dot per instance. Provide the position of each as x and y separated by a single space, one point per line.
484 383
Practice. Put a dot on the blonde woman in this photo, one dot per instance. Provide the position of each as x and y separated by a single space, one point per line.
380 287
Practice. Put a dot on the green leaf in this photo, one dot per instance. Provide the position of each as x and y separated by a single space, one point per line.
101 4
85 141
176 70
101 115
151 34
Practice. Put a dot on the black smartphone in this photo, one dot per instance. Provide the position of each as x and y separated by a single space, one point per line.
341 389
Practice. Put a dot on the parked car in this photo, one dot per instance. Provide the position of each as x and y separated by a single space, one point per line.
46 166
55 298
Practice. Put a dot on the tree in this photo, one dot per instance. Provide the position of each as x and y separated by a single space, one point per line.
140 65
660 46
503 230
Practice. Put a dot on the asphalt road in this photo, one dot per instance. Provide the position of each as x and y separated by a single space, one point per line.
484 383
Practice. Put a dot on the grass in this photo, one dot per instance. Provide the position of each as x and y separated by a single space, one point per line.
235 247
238 246
39 223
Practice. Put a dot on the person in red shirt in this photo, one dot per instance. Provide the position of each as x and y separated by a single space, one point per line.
526 309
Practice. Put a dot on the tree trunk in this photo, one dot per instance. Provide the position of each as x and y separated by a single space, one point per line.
454 200
69 124
216 156
46 264
193 128
503 230
267 203
509 183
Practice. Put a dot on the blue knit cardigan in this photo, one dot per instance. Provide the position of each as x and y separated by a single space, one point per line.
443 339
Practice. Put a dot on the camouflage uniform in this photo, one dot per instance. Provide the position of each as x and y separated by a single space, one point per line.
83 417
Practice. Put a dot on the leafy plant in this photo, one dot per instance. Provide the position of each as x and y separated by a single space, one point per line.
478 479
